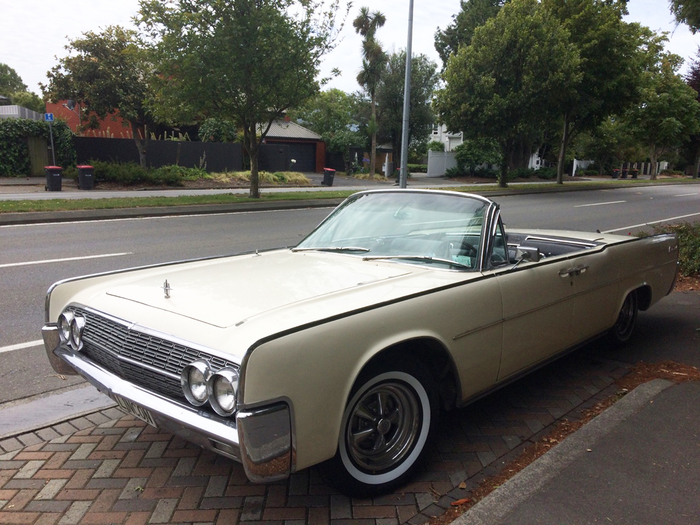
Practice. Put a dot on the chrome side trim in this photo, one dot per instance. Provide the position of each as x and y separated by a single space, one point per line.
266 443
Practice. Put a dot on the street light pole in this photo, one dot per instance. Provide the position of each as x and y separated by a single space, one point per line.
403 174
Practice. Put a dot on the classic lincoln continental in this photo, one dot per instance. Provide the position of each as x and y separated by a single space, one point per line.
343 350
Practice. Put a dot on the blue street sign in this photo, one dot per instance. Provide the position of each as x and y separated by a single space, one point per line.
48 117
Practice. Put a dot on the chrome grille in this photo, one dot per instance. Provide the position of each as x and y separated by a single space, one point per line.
140 358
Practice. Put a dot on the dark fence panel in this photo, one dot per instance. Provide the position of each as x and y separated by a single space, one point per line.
212 156
335 161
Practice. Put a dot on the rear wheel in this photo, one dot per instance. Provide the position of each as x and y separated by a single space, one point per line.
384 432
621 332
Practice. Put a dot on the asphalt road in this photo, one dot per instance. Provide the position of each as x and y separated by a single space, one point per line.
34 256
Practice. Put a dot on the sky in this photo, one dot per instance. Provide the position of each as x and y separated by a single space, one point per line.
34 32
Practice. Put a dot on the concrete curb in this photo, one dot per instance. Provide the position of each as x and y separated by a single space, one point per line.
497 505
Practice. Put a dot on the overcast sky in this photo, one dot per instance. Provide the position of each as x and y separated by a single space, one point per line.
34 32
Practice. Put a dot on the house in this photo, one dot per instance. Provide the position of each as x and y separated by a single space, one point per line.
297 143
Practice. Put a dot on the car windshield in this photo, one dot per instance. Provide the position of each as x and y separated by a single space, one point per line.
433 228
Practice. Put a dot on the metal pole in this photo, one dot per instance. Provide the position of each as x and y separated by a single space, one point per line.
53 151
403 174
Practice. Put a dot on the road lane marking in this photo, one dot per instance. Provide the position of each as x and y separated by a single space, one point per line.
47 261
21 346
598 204
653 222
687 194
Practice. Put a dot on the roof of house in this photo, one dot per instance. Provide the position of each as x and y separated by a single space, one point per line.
282 129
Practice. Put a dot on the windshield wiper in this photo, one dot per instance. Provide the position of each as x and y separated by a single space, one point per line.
332 249
418 258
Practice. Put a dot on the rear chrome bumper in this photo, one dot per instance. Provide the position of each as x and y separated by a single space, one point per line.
260 439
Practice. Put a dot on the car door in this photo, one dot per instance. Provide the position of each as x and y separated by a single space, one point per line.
538 304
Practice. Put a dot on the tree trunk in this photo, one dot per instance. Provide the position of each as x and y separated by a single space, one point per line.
562 151
503 175
696 164
654 167
253 153
141 143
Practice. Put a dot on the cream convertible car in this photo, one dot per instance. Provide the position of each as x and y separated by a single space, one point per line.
342 350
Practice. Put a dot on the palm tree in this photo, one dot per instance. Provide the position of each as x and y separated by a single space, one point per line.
374 61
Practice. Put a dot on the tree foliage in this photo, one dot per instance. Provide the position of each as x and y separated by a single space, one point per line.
390 95
333 115
611 65
246 61
693 80
10 81
669 112
28 100
110 74
508 84
687 12
472 14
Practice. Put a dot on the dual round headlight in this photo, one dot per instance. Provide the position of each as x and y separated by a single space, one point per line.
201 384
70 329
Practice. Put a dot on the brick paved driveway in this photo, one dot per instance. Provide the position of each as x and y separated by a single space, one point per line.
110 468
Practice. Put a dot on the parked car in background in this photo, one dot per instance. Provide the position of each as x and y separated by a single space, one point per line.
343 350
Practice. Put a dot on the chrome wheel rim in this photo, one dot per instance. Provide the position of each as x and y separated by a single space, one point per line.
383 427
626 318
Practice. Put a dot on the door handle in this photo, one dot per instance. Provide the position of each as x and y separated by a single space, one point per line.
573 271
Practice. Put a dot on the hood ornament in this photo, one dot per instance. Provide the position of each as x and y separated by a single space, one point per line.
166 289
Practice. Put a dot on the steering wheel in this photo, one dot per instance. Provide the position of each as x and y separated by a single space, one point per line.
467 249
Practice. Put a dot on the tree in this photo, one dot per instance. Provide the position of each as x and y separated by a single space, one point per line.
10 81
247 61
610 65
693 80
669 112
28 100
390 91
110 74
332 114
509 83
687 12
373 61
472 14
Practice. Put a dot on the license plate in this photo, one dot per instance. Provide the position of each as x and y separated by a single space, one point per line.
132 408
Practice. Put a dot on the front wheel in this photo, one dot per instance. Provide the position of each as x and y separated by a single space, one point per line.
621 332
384 432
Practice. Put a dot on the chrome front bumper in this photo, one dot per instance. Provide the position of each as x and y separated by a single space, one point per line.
260 439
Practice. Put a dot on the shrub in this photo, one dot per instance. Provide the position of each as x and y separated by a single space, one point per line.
417 168
455 171
14 153
435 145
689 246
521 173
486 173
547 173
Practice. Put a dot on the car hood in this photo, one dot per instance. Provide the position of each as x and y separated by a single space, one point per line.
231 291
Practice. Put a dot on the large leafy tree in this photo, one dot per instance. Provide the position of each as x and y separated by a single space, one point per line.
687 12
693 80
509 83
472 14
424 81
611 65
110 74
247 61
28 100
333 115
373 63
669 112
10 81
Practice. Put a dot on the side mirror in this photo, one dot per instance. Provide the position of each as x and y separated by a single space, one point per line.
527 254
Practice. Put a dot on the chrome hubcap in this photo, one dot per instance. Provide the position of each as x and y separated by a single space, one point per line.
383 426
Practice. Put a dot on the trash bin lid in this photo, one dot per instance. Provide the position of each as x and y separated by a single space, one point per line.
328 169
84 167
53 168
